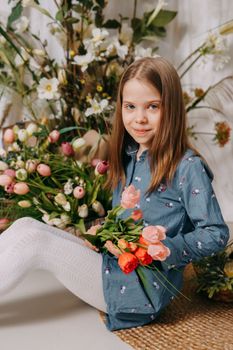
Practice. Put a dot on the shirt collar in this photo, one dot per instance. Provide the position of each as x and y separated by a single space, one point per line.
132 148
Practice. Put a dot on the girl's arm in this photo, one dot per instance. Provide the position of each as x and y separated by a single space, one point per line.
210 232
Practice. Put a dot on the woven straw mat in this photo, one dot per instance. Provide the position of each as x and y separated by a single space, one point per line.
199 324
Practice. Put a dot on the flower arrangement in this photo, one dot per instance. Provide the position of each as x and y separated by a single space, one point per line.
81 89
136 247
50 186
215 274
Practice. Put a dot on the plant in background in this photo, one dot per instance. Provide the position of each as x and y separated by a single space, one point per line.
215 274
80 90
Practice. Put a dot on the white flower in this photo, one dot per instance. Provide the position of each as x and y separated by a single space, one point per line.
215 45
140 52
65 219
26 3
21 174
35 201
67 206
126 34
20 60
23 135
25 204
3 166
47 88
84 60
83 211
16 147
98 208
21 25
34 65
60 198
96 107
3 153
68 187
62 76
78 143
31 128
98 35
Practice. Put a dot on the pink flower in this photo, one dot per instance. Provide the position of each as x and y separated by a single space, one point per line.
9 136
54 136
92 230
95 161
10 188
79 192
21 188
101 167
43 170
158 251
9 172
91 246
67 149
4 222
154 234
112 248
5 180
130 197
31 165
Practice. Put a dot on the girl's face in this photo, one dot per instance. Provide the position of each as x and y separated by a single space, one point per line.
141 111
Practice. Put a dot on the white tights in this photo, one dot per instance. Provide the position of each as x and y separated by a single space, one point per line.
29 244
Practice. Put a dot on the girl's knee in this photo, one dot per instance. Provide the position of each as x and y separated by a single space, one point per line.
26 221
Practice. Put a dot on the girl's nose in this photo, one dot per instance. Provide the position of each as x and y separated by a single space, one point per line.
141 116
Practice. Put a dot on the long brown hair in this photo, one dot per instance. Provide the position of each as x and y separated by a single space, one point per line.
170 141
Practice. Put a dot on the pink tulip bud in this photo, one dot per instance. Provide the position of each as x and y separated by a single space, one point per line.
79 192
95 161
9 136
4 222
67 149
101 167
31 165
43 170
21 188
9 172
54 136
5 180
10 188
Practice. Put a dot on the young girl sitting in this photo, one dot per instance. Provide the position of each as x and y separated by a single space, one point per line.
149 148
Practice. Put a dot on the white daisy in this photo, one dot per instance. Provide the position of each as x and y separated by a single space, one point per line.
47 88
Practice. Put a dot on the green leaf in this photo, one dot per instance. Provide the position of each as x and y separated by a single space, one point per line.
59 15
15 14
163 18
69 128
112 24
72 20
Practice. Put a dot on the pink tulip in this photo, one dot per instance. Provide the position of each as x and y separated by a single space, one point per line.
21 188
67 149
10 188
130 197
4 222
112 248
79 192
43 170
5 180
95 161
9 136
92 230
54 136
101 167
9 172
158 251
154 234
31 165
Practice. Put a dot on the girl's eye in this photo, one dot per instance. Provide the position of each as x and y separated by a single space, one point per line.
130 107
153 106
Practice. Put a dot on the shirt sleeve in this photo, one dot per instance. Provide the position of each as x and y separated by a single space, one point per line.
210 233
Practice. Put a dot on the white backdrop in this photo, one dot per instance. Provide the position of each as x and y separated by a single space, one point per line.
185 33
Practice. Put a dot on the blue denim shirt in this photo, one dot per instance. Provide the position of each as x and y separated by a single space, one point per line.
189 210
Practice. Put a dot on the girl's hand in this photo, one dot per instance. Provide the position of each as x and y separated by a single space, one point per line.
91 246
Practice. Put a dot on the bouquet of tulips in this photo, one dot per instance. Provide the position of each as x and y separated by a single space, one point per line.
127 239
40 178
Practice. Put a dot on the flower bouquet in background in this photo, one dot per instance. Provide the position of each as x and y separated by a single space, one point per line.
215 274
50 186
136 247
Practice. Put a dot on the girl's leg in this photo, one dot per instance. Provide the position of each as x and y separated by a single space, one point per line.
34 245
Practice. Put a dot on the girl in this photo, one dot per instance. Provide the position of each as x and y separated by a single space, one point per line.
149 148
